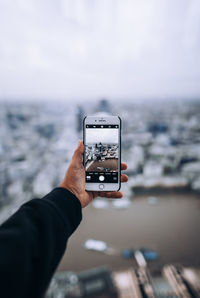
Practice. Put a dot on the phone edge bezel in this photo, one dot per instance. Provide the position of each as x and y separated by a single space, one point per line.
119 182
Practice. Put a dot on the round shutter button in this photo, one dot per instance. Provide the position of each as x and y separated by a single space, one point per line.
101 178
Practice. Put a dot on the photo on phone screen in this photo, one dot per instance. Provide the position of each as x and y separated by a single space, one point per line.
102 153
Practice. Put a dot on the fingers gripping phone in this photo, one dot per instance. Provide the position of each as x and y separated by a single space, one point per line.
102 154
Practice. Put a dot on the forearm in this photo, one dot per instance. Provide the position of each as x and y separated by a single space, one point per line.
33 241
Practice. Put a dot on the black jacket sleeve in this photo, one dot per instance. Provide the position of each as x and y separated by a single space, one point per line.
33 240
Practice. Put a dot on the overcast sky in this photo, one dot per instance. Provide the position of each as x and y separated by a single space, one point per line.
104 135
79 49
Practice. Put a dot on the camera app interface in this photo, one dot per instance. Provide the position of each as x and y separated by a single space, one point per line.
101 153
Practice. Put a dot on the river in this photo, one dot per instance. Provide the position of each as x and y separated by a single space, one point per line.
171 227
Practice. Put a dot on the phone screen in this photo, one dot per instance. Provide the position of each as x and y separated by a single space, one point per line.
102 153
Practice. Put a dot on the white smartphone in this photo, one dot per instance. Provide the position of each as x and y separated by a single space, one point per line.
102 154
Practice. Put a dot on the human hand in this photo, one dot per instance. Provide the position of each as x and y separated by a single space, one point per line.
74 180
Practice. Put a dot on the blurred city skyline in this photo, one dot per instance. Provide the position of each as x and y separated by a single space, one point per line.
88 49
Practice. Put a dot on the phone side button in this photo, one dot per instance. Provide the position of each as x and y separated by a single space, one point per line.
101 186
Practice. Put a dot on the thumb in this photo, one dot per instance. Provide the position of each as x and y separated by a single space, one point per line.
78 153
